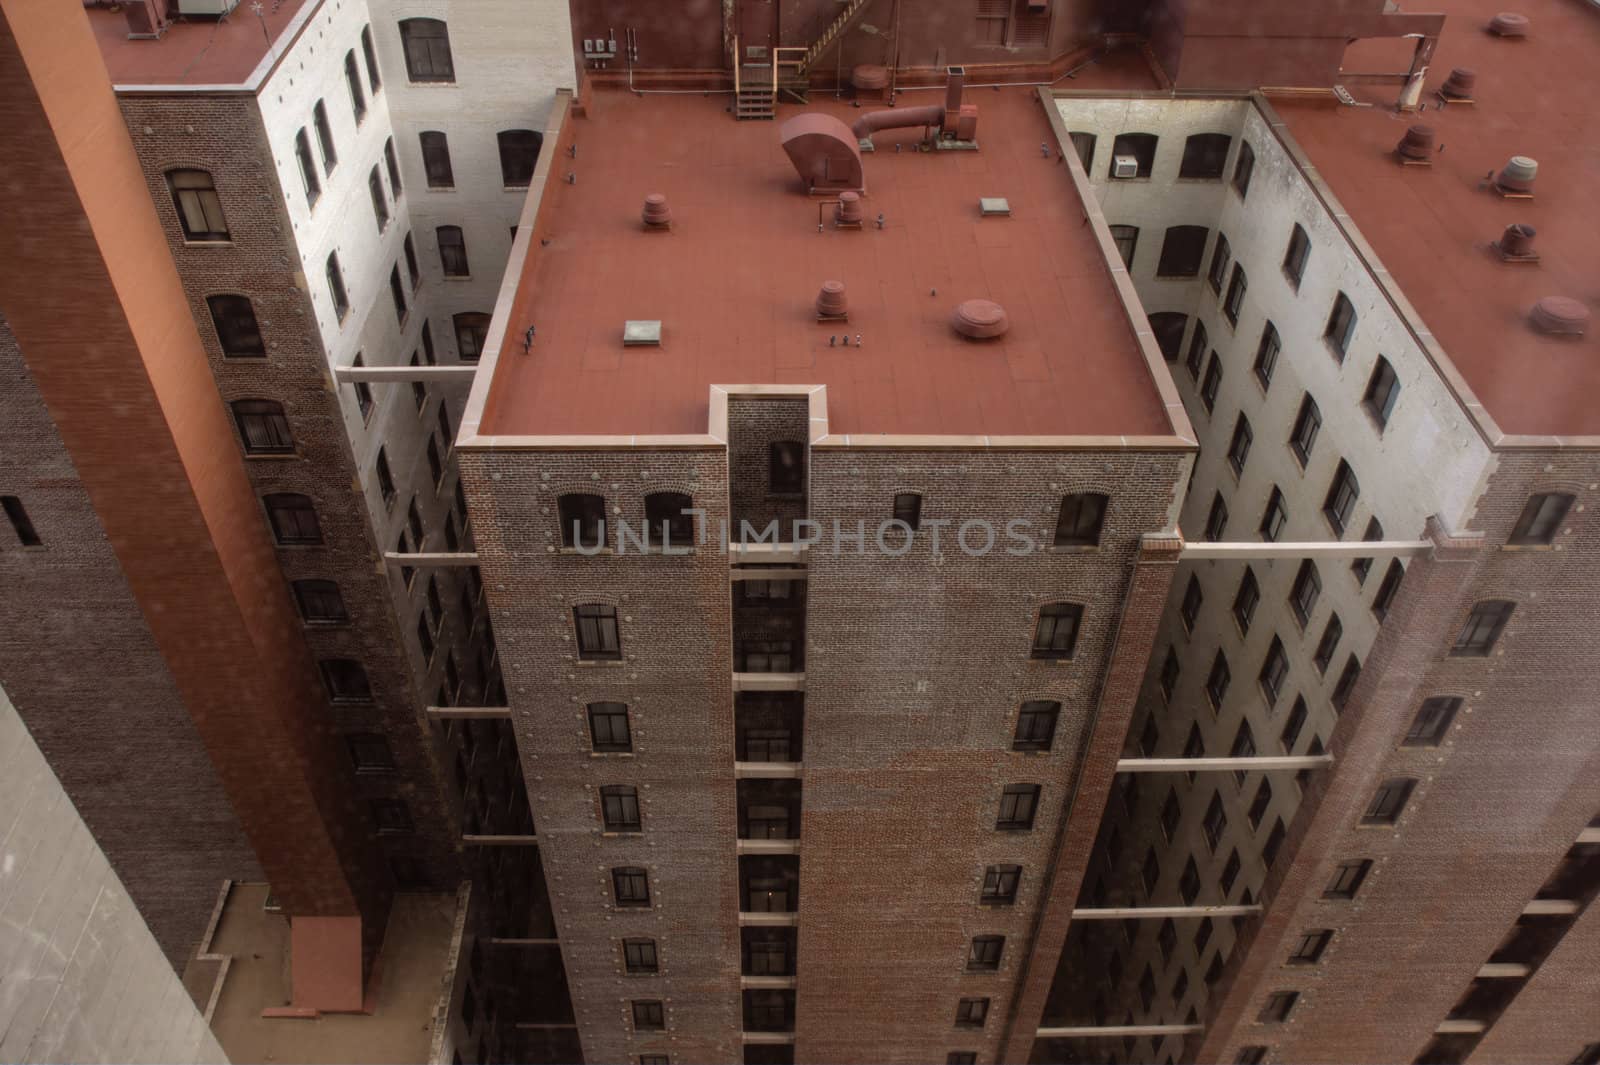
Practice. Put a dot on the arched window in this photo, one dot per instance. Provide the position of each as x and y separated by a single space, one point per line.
472 329
1243 168
608 727
582 516
519 154
1341 326
263 427
1056 633
668 520
308 168
1204 156
371 57
1383 389
352 78
294 518
1182 251
234 319
1080 520
380 205
1168 327
1235 298
787 467
1219 264
452 251
393 166
597 631
436 159
427 46
1126 238
1295 256
341 301
194 194
1140 147
1342 495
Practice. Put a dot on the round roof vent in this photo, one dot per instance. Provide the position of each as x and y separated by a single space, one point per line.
980 319
850 211
1517 240
1509 24
1518 174
869 76
831 302
1559 316
1460 83
1417 143
656 212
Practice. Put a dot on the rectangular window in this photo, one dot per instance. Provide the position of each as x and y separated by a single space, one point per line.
1347 879
392 817
308 167
453 251
630 886
1277 1008
1171 814
369 752
1000 885
1056 634
1295 256
1243 168
1244 746
1389 801
1036 726
648 1015
397 292
1432 722
1388 589
352 78
1245 601
1482 629
1147 989
1202 935
1211 384
435 463
1541 518
619 808
1150 874
1274 671
21 524
1258 805
1235 298
426 43
1341 326
1267 355
961 1057
1274 517
1018 803
1383 389
1275 838
436 160
320 602
263 427
1126 238
1217 520
786 468
364 401
336 290
380 205
608 727
1347 682
1189 883
1193 597
1194 746
1169 674
597 631
294 519
1331 634
1219 264
1308 951
1215 823
1150 737
1230 873
1080 520
385 479
1183 251
1217 681
199 208
1295 722
1167 939
984 956
1306 426
972 1012
1305 591
1197 350
238 332
1362 566
371 57
908 509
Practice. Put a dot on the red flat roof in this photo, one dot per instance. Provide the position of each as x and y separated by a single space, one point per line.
734 283
201 51
1431 226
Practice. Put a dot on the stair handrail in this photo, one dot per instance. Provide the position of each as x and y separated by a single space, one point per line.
736 66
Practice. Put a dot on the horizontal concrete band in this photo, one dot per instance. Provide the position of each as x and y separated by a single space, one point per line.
476 713
767 983
766 770
1121 913
769 682
432 559
1307 549
500 841
768 1038
768 920
1110 1030
402 374
767 574
1191 765
767 846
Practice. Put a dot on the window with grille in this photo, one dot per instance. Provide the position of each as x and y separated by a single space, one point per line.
1080 520
294 519
984 955
1331 634
1018 803
1237 286
1540 518
1274 517
908 509
630 886
436 159
1182 251
1000 885
1304 592
597 631
1056 633
194 194
1126 238
608 727
426 43
320 602
1483 628
1036 726
263 427
668 520
1296 255
1341 327
519 154
1307 423
786 467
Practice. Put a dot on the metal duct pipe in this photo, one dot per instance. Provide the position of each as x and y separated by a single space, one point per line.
896 118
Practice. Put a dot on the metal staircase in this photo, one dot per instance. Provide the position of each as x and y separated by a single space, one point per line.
755 94
840 23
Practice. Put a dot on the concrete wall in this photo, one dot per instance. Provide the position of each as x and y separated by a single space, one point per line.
81 977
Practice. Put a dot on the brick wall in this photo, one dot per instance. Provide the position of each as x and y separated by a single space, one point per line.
754 425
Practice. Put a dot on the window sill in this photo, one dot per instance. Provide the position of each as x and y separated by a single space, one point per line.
611 754
272 456
1536 548
621 835
596 553
592 662
441 188
227 243
1145 178
433 83
518 188
1074 549
1178 277
458 277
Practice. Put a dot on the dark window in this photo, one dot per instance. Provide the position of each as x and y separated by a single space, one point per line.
1383 389
1296 722
1341 498
352 78
1388 589
630 886
597 631
1215 822
1182 252
369 752
1171 813
1217 519
1079 522
397 292
1341 326
392 164
1303 594
1018 803
1205 155
639 955
1347 682
1167 939
908 509
320 602
371 57
1218 271
21 524
1275 838
443 416
1245 600
984 957
1243 167
1267 354
1236 290
1217 680
1483 628
1230 872
1274 671
1194 746
1250 1055
1274 517
1329 643
1258 805
452 251
1213 381
345 680
435 465
1202 935
619 808
1147 988
1309 950
972 1012
1189 883
436 160
425 638
363 392
472 330
380 206
294 518
1000 885
419 390
1056 634
1306 426
648 1015
330 155
1197 350
1244 746
1193 597
519 153
1277 1007
1389 801
1083 144
1126 238
668 519
427 344
1294 258
194 194
238 334
427 46
608 727
1589 1055
786 467
1168 327
1150 736
263 427
1433 720
1036 726
308 167
392 817
1169 674
1347 879
1140 146
1362 566
1239 446
1541 518
336 292
961 1057
1150 874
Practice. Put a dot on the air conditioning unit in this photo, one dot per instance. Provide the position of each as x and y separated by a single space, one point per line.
206 7
1124 166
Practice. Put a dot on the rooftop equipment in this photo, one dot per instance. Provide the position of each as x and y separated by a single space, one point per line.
980 319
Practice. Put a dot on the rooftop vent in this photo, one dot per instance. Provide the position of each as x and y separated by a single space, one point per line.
1559 316
988 205
1517 176
1459 85
850 211
980 319
1509 24
831 303
1416 146
1516 244
656 214
641 333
